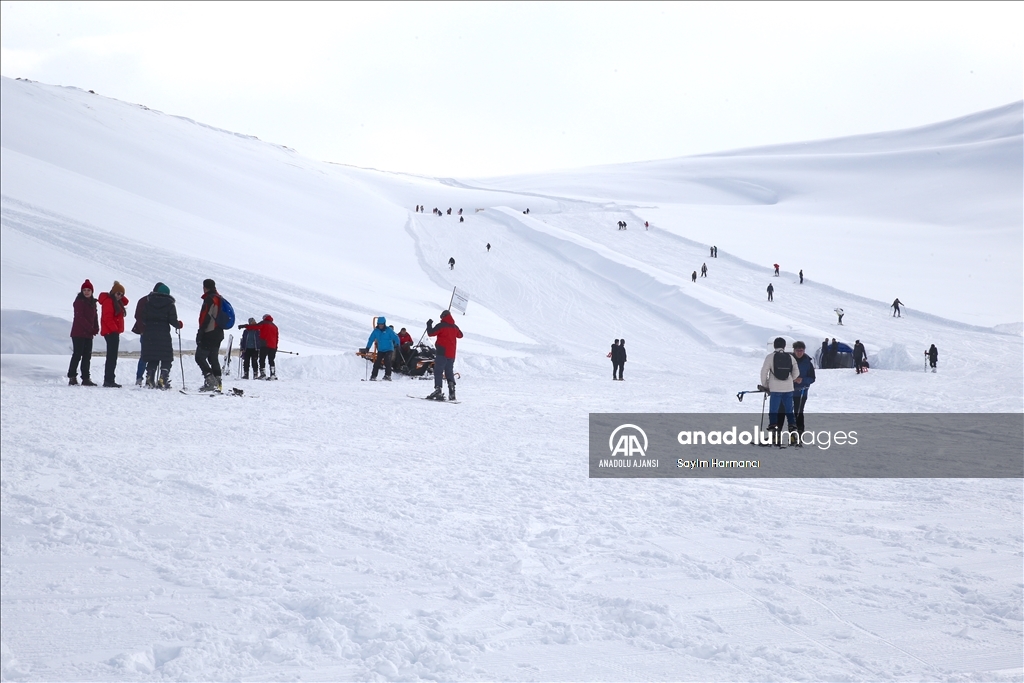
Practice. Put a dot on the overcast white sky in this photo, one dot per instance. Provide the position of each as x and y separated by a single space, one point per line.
473 89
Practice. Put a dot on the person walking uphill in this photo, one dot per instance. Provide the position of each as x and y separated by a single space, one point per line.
933 356
157 349
778 372
209 337
387 341
84 327
112 306
448 334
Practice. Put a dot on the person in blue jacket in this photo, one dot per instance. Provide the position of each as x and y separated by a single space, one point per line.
803 383
387 342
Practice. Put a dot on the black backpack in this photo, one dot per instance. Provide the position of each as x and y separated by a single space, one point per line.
782 365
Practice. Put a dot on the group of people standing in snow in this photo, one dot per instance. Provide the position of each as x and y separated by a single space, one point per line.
618 356
388 343
155 315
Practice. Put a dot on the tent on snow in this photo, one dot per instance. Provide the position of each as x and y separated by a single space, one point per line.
843 359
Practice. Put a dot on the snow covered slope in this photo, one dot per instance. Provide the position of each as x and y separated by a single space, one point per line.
327 528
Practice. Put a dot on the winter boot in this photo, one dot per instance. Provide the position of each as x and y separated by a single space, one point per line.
72 381
165 379
139 381
210 384
86 382
451 391
273 374
151 378
436 396
263 375
245 375
387 378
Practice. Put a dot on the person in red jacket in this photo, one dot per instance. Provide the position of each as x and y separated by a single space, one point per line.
112 310
447 334
268 353
85 326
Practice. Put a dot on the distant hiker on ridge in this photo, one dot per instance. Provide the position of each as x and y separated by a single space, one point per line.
771 292
776 269
801 276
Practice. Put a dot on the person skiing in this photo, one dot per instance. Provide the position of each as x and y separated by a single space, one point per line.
157 349
112 310
619 359
771 292
647 226
839 312
824 355
778 373
776 269
139 328
250 347
386 340
704 270
488 247
451 263
933 356
448 334
209 337
801 276
693 277
860 354
896 308
84 327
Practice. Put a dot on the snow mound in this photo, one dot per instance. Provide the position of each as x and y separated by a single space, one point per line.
895 357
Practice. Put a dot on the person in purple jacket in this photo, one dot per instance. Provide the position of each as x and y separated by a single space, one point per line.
85 326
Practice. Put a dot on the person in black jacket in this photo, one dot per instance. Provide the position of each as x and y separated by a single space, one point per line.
933 357
859 355
824 355
613 354
618 359
157 348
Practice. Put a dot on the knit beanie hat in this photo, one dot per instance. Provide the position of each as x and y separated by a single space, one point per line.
118 288
161 288
87 285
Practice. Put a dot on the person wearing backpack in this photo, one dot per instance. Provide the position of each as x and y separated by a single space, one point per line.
209 337
778 372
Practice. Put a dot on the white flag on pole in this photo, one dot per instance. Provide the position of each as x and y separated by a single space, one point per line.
459 301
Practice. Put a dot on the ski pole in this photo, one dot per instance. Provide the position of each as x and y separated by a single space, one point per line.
180 363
